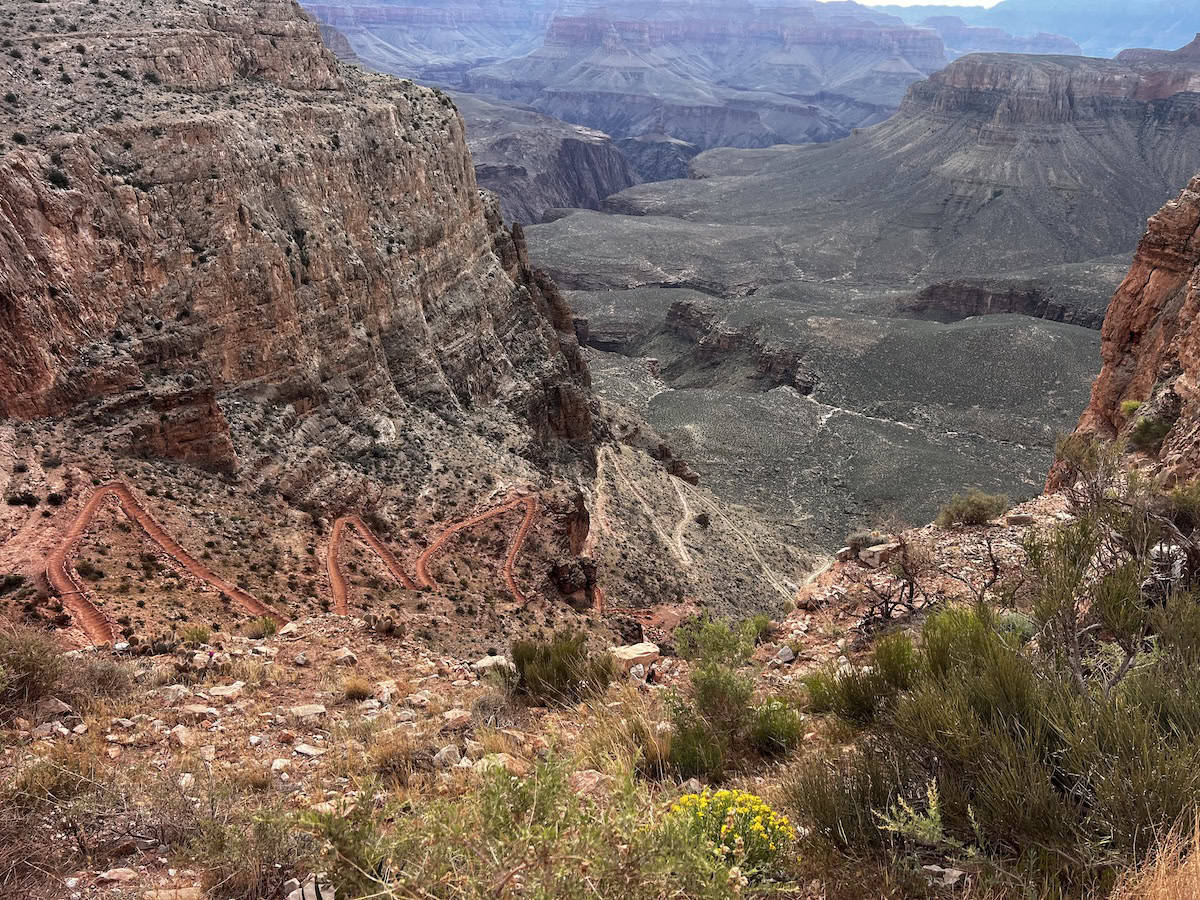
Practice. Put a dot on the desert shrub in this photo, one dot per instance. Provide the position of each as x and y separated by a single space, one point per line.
393 758
717 640
722 697
247 854
740 826
561 845
896 661
356 688
855 694
775 728
697 750
194 635
11 582
31 665
66 772
1148 433
861 540
840 797
58 178
1130 407
558 671
262 627
22 498
1059 763
972 508
93 677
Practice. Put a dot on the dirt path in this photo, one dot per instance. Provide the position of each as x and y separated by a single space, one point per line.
674 542
337 581
67 585
514 549
782 585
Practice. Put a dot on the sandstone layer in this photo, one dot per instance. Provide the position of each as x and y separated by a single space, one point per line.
1150 344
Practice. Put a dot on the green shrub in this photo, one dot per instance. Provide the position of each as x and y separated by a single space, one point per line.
262 627
839 797
32 665
722 697
558 671
972 508
717 640
1130 407
194 635
855 694
740 826
1148 433
697 750
775 728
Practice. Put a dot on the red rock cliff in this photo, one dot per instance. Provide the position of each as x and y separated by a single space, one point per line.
1151 339
208 205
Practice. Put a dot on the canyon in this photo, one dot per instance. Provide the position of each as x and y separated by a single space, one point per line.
864 323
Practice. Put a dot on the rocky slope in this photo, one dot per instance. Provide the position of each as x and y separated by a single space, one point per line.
1151 343
726 74
535 163
961 39
221 247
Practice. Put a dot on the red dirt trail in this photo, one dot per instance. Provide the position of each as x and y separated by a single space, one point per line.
337 581
66 584
514 549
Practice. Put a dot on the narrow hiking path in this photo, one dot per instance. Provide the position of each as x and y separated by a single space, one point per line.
67 585
673 541
514 548
337 581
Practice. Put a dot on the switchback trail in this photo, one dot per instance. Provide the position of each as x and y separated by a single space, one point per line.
514 549
64 582
337 582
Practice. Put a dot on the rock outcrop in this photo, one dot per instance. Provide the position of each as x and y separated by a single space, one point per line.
212 206
535 163
961 39
1151 342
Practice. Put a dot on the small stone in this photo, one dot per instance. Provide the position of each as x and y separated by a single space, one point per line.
51 707
448 756
1018 519
181 736
117 876
785 655
178 893
228 691
590 783
300 659
456 719
345 657
309 751
281 765
308 711
174 693
196 712
420 699
81 728
288 629
186 781
691 786
637 672
879 555
511 764
492 663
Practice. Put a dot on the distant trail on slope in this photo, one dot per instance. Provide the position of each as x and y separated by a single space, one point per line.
337 582
674 542
780 584
63 580
514 549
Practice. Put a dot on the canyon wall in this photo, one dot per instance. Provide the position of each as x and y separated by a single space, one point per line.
1151 342
213 206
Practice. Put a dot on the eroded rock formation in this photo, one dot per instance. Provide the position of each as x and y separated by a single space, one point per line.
1151 341
215 205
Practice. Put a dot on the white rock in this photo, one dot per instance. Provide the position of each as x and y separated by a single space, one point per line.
631 655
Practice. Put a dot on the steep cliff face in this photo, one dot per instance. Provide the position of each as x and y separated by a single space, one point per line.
1151 343
535 163
213 206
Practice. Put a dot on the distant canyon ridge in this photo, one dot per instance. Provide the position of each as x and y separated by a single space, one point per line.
638 89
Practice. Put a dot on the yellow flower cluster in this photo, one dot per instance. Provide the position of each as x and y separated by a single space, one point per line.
738 823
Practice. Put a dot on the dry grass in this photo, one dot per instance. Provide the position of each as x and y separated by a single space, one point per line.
630 732
355 688
1173 873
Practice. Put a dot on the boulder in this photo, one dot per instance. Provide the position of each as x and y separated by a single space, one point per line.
631 655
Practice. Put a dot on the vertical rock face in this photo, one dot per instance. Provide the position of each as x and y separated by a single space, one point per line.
1151 339
207 204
